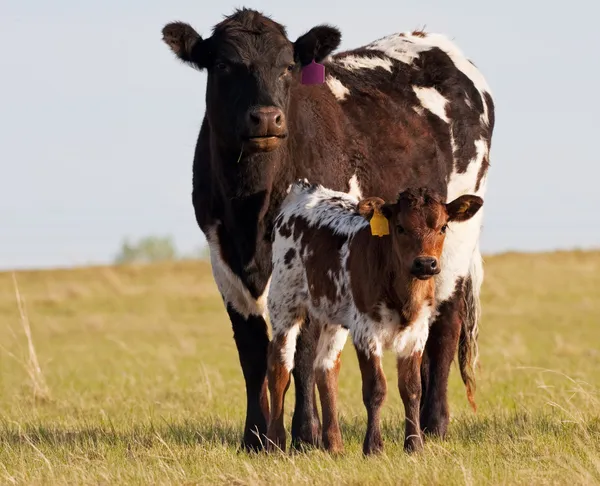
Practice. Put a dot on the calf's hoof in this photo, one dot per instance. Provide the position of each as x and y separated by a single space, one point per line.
275 442
413 443
373 446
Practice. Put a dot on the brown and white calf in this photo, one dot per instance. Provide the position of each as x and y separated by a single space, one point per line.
330 268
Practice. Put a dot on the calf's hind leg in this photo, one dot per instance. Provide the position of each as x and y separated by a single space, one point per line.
327 369
374 388
279 366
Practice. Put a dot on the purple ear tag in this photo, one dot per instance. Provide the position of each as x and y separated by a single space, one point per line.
314 73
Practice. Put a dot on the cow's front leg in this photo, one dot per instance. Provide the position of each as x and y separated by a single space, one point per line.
441 346
252 341
306 427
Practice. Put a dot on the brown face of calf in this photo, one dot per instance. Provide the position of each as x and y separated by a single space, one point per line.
418 223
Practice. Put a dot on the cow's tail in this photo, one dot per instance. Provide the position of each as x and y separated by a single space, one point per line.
468 351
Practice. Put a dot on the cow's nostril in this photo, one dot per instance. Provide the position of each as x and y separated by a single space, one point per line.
254 119
418 264
278 120
433 264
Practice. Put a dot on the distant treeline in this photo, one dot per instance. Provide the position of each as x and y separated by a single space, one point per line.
152 249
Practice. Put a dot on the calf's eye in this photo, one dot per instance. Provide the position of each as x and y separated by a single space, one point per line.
290 68
400 229
221 66
444 228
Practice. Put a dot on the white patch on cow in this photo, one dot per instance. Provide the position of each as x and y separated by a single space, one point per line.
398 47
288 349
460 246
432 100
337 88
321 206
363 62
230 286
331 343
412 340
354 187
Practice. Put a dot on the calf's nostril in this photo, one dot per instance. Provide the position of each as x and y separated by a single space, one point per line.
278 120
433 264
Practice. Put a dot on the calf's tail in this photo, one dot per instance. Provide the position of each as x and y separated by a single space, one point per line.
468 351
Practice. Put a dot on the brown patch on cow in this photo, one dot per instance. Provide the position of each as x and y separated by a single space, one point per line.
285 230
320 250
485 164
327 382
289 256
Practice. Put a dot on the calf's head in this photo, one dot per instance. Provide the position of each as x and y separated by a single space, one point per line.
418 223
251 67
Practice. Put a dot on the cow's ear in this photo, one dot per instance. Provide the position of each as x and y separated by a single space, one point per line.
463 208
186 43
317 44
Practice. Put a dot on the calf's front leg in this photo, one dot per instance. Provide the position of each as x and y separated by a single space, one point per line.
409 384
374 388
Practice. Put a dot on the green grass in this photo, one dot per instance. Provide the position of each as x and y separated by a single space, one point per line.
139 383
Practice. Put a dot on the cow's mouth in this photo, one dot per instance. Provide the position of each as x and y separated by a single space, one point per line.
263 143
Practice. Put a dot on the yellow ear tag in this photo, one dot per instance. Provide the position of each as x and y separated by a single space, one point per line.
379 224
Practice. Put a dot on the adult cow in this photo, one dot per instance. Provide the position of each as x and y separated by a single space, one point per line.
407 110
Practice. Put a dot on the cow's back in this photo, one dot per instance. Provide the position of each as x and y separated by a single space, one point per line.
421 115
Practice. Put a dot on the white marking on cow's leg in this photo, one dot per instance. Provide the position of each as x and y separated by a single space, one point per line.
331 343
286 339
432 100
412 340
337 88
233 291
352 62
354 187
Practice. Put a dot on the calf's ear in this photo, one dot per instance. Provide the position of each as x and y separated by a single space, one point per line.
317 44
186 43
366 207
463 208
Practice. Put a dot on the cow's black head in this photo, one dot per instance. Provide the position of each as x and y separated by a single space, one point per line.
251 66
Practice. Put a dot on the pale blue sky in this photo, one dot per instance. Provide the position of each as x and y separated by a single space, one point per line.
98 121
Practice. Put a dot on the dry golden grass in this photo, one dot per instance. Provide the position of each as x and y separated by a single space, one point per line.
137 381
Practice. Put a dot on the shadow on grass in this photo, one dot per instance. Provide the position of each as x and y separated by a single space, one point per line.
464 430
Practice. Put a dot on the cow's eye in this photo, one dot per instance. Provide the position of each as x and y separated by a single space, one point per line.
221 66
400 229
290 68
444 228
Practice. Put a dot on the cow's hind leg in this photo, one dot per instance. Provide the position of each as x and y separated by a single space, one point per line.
374 388
252 341
441 346
409 384
305 421
327 369
280 364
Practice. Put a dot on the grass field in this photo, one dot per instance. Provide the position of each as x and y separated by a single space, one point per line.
139 383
